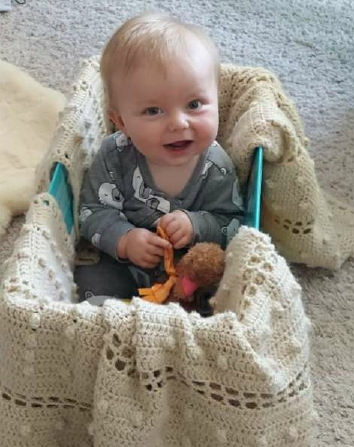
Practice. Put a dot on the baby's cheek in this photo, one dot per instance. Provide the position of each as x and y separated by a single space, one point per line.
209 129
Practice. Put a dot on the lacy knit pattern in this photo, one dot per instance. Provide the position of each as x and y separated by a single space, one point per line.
149 375
306 224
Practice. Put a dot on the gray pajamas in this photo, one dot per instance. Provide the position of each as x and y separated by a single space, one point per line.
119 194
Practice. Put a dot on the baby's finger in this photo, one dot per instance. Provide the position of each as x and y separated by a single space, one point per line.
180 243
172 227
177 237
182 238
165 220
158 241
150 261
156 250
157 222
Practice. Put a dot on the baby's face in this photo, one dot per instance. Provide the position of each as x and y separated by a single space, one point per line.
171 116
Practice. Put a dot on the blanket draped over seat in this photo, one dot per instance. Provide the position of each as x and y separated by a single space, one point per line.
307 225
148 375
145 374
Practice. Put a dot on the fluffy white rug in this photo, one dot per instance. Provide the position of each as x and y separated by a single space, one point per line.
28 115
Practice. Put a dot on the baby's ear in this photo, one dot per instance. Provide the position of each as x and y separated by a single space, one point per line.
116 118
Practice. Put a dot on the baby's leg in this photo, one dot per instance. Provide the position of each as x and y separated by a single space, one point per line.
108 278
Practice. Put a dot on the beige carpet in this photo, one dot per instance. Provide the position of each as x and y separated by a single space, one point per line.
309 45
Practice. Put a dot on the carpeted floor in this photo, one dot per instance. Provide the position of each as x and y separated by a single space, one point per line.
309 45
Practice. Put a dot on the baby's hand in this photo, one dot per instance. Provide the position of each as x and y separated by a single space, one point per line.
142 247
178 228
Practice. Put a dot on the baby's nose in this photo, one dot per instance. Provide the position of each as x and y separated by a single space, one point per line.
178 121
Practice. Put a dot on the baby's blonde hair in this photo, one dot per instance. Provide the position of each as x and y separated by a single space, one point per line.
152 37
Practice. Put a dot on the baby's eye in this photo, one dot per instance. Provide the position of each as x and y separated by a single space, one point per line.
195 104
151 111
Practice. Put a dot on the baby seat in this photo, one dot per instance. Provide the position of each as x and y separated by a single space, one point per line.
147 375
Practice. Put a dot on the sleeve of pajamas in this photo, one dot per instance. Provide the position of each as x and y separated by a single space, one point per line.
102 218
221 206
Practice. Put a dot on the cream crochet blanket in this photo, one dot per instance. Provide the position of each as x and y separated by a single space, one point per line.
306 224
148 375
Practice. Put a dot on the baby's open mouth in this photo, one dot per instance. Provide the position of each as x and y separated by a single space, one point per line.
181 144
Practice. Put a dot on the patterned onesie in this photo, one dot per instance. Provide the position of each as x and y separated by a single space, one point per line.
119 194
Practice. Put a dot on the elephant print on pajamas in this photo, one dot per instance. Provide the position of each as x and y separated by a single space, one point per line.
230 230
95 240
122 142
206 168
84 214
109 194
144 194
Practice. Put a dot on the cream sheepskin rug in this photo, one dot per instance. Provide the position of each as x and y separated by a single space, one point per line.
28 116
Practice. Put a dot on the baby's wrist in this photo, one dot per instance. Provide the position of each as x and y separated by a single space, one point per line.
122 247
189 227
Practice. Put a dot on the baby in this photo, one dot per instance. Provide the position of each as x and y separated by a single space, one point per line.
163 166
